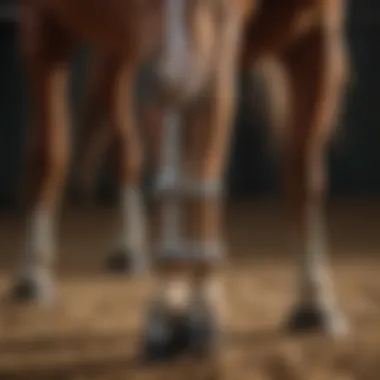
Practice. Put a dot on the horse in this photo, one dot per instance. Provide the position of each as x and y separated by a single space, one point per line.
205 45
124 33
309 45
95 140
305 43
49 34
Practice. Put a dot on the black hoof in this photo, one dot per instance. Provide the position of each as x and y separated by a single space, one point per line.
307 319
204 335
167 337
28 290
170 336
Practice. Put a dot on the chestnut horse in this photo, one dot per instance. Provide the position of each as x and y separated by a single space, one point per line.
95 141
205 43
306 78
49 33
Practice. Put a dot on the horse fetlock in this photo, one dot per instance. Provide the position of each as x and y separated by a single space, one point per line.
314 317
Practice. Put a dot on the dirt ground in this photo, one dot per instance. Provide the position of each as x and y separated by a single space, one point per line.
93 329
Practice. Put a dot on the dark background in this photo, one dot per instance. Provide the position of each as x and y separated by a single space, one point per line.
355 153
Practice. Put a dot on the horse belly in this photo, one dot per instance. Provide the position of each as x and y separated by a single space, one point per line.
111 24
279 23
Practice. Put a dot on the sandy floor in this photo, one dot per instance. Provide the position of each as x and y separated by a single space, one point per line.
92 331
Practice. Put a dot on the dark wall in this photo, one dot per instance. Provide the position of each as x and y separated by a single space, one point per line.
355 153
13 114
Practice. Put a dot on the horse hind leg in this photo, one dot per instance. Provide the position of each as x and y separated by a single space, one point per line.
316 78
129 253
95 134
47 158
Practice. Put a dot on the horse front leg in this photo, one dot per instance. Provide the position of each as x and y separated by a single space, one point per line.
46 171
316 69
129 254
189 300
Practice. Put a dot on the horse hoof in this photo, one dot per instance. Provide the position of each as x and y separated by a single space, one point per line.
167 337
314 319
30 290
172 335
203 334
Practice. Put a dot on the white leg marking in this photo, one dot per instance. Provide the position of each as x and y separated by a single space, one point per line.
316 285
36 262
181 293
210 292
40 240
133 225
168 178
315 280
174 293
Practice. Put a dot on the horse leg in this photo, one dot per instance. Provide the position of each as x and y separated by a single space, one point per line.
316 76
129 254
152 125
46 52
95 135
185 311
